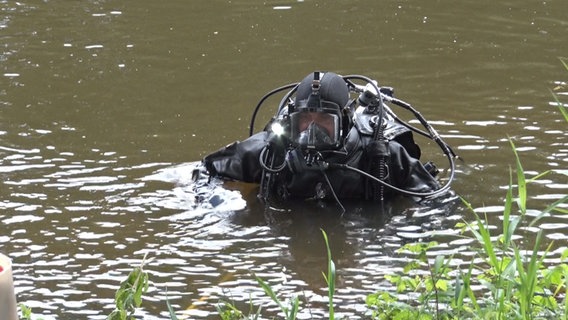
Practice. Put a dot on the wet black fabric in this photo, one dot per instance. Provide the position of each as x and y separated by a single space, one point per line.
240 161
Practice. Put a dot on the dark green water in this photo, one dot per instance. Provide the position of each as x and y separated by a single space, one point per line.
105 107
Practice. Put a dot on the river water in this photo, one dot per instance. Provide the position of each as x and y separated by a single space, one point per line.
107 106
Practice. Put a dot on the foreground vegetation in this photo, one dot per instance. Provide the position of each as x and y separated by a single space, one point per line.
503 281
510 281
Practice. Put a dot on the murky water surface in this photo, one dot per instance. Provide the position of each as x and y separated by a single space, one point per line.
107 106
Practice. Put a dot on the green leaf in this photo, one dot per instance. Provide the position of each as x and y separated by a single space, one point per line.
484 237
330 278
460 225
268 290
561 210
400 287
128 297
521 183
508 227
394 278
439 263
25 311
295 308
412 265
564 63
537 177
552 207
564 254
560 105
171 310
442 285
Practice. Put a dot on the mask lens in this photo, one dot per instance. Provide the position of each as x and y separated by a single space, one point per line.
314 129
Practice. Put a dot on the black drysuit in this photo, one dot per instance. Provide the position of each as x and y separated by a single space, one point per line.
241 161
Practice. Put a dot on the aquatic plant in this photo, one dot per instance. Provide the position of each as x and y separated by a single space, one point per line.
128 297
25 312
516 284
330 277
563 86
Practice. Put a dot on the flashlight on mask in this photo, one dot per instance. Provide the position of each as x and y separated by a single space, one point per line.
277 128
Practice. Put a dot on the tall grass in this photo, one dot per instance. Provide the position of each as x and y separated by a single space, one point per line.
515 283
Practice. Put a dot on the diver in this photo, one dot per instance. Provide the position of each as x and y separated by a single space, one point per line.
333 139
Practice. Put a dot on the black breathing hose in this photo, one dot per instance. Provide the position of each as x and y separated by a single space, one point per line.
432 134
390 186
262 160
266 96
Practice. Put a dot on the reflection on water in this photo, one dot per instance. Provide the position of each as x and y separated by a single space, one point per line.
284 246
106 108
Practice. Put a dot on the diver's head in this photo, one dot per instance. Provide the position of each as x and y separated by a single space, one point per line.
316 118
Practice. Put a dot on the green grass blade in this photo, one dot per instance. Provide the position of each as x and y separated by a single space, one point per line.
564 63
268 290
467 286
521 183
486 242
171 310
564 112
295 308
481 234
508 229
529 276
552 207
560 105
538 176
330 278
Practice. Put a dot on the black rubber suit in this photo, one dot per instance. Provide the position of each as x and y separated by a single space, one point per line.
358 149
